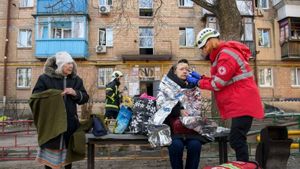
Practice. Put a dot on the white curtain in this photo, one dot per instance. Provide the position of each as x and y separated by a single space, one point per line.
109 37
190 36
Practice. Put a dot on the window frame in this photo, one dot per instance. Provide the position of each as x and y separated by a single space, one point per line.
259 4
261 32
265 70
294 77
186 37
107 76
29 76
77 27
106 3
184 6
146 9
106 34
22 4
19 44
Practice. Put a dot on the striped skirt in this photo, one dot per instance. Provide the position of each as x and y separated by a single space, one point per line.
52 158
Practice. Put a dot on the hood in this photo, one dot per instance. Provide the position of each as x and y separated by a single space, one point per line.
177 80
235 45
50 67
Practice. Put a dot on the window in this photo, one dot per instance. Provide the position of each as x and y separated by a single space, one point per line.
146 40
265 77
248 29
104 76
185 3
26 3
262 4
264 38
106 36
295 76
105 2
212 22
24 39
284 31
146 7
61 28
187 37
23 77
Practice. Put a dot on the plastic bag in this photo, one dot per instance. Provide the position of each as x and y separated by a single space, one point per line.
123 119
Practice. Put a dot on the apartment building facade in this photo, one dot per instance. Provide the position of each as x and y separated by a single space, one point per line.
140 38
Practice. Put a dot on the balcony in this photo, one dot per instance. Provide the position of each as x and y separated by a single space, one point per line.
78 48
290 50
46 7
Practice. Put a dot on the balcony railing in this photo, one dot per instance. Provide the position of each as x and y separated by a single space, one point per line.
78 48
290 50
62 7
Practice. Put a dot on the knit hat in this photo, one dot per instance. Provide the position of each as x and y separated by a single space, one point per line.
61 59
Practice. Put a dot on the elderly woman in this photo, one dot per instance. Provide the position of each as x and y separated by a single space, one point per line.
172 105
60 73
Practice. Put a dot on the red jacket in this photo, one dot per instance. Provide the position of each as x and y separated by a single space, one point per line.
232 81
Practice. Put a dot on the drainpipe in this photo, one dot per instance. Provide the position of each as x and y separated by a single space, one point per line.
6 54
254 41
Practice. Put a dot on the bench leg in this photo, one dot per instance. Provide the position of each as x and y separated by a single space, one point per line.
91 156
223 157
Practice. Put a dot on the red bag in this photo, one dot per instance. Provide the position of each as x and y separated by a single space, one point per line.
236 165
178 128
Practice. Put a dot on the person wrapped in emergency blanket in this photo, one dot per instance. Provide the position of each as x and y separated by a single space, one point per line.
179 107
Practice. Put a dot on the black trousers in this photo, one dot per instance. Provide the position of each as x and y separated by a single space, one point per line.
238 137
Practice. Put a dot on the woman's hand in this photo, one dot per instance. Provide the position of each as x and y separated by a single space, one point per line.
69 91
183 112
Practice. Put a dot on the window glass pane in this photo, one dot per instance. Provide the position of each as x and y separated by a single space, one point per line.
104 76
190 36
145 3
28 38
182 37
188 3
109 37
102 36
295 75
265 77
102 2
146 37
264 38
23 77
78 31
24 39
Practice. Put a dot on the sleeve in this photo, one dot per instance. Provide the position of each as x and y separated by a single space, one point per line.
81 94
40 85
225 70
110 92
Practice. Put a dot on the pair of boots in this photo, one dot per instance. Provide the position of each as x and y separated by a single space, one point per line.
69 166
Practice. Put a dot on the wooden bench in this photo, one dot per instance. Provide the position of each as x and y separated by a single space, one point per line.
127 139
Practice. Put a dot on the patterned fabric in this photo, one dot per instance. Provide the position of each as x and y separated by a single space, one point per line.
52 158
142 109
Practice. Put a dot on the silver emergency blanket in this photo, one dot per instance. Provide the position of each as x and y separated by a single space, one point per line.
169 95
159 135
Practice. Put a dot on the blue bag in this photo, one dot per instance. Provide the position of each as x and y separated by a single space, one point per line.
123 119
98 127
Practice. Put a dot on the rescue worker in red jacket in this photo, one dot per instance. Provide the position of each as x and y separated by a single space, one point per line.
233 84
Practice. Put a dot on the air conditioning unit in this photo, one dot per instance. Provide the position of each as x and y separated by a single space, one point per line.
100 49
104 9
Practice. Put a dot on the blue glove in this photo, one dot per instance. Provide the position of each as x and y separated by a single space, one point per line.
192 80
195 75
